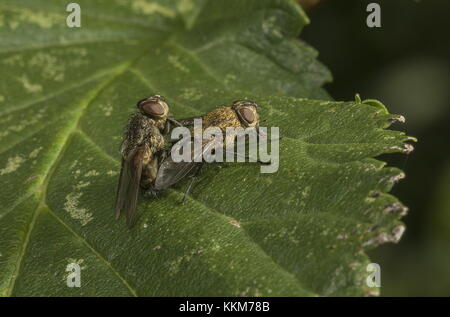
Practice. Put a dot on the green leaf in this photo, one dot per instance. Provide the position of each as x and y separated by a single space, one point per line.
65 97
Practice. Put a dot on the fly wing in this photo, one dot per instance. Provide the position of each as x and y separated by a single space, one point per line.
171 172
128 189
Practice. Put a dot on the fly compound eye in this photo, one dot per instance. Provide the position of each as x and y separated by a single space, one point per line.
152 107
247 115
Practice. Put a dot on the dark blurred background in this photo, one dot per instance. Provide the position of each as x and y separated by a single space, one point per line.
406 65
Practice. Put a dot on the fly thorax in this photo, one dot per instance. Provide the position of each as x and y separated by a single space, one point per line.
222 118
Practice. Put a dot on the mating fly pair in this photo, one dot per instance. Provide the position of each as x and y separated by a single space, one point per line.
145 162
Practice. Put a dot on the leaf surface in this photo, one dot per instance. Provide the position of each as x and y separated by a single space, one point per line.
65 97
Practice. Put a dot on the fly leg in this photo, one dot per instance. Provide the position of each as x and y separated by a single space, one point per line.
174 122
193 177
170 123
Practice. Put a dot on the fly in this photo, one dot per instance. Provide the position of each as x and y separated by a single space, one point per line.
241 114
143 148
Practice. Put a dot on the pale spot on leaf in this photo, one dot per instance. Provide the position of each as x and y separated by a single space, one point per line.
35 152
91 173
76 212
175 61
12 165
148 7
29 87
